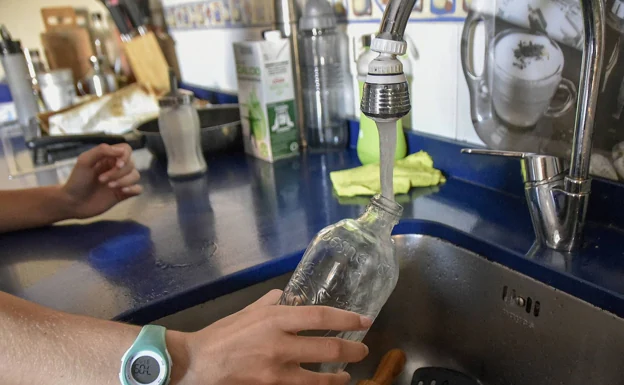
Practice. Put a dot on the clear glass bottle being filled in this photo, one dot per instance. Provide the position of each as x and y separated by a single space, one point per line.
350 265
321 74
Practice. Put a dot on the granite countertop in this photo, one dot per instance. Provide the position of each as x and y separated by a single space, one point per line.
182 243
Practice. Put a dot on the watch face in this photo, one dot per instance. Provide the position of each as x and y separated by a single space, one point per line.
145 370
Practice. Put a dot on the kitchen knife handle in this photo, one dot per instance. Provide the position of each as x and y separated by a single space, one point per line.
391 365
119 17
136 16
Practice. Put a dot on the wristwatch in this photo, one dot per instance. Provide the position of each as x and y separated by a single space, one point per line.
147 362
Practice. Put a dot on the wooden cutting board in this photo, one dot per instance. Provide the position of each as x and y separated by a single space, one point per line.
68 48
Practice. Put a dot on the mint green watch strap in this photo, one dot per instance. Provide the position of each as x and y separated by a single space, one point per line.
151 342
151 337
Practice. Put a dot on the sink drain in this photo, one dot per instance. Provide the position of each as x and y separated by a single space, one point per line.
441 376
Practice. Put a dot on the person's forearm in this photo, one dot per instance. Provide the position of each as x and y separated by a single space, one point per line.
43 346
36 207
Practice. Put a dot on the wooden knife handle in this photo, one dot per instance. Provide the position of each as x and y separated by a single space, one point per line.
391 365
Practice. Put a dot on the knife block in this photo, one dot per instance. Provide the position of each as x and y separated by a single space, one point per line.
148 62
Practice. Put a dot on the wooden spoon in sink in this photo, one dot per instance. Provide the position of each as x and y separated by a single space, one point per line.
389 368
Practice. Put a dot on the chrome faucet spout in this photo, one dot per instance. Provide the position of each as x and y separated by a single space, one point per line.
386 93
395 19
593 53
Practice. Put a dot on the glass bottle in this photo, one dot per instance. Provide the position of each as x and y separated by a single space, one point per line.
103 39
321 74
349 265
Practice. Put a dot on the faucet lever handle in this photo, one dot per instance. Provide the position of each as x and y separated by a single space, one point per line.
535 167
509 154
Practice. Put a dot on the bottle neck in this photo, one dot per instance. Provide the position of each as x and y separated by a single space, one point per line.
381 215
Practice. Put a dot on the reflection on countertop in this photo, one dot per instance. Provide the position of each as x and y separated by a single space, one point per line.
184 242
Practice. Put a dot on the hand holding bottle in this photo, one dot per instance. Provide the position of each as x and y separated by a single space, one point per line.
260 345
350 265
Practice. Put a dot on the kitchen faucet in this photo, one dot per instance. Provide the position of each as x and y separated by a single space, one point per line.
557 197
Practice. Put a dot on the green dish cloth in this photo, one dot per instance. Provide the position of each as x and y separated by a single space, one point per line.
416 170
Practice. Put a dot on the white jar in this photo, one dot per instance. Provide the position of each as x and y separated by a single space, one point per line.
179 126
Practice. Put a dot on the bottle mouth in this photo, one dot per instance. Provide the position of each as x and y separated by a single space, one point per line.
387 205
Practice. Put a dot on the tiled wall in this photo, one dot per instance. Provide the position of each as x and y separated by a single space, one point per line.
204 32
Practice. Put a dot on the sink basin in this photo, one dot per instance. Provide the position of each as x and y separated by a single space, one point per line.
455 309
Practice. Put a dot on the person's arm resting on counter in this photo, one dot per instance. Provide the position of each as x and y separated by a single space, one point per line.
102 177
258 345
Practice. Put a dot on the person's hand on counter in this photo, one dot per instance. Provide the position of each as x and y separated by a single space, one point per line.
101 178
258 345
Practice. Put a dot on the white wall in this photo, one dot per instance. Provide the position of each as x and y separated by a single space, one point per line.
207 58
23 18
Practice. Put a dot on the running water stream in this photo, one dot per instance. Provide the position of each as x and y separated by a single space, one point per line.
387 148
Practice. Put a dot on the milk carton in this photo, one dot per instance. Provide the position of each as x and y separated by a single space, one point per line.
267 99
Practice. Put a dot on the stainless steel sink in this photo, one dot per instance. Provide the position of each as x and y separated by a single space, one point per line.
455 309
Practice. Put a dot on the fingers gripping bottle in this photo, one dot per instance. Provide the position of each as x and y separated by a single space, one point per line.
350 265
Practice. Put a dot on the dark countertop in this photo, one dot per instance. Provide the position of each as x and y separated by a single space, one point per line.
182 243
